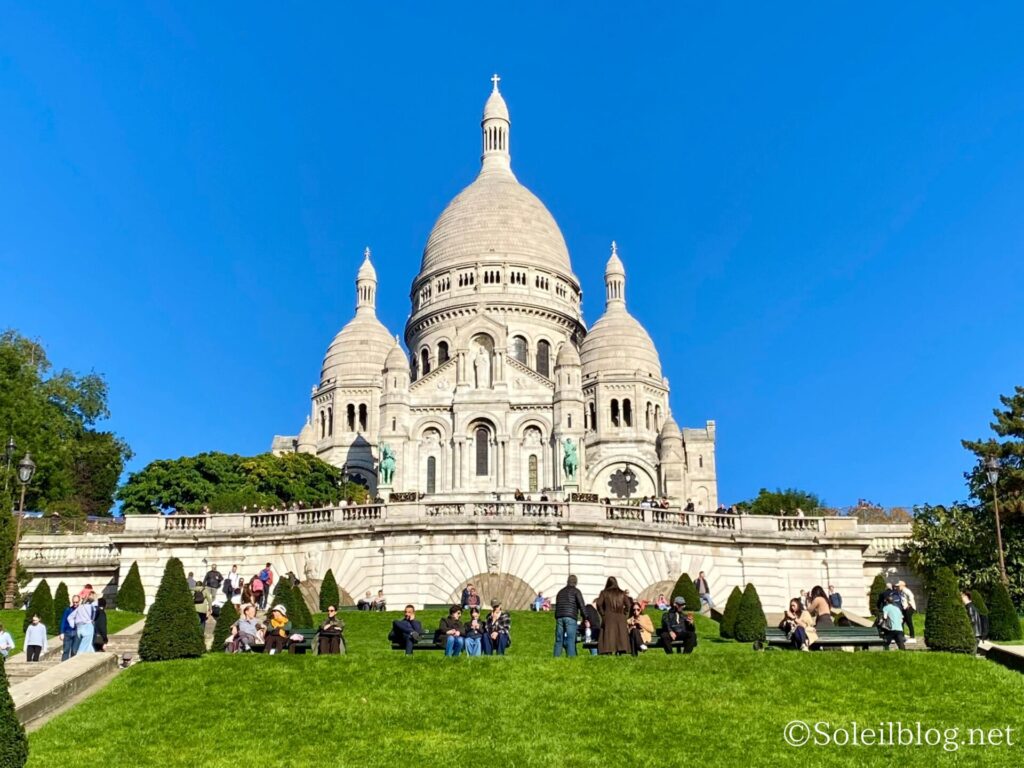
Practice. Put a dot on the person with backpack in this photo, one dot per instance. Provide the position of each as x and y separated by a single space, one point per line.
890 623
202 604
258 591
267 577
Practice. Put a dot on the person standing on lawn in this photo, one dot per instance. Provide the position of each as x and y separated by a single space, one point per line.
35 639
909 606
704 590
613 605
977 625
406 631
569 608
892 616
99 626
68 636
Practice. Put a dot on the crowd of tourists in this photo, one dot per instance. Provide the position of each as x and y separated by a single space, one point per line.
83 629
275 633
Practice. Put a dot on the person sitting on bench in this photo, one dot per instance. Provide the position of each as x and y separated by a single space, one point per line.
449 632
798 624
246 631
330 633
641 629
677 624
406 631
278 630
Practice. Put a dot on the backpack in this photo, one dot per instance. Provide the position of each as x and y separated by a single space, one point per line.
198 597
215 611
883 623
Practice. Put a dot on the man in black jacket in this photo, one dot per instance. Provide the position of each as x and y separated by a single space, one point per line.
406 631
212 582
677 624
569 605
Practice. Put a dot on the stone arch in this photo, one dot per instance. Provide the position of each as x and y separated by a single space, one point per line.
531 420
514 593
650 593
310 590
421 426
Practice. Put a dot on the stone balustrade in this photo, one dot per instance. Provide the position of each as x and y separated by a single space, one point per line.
37 551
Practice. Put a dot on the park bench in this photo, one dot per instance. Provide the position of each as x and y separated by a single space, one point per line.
425 643
296 646
655 643
837 637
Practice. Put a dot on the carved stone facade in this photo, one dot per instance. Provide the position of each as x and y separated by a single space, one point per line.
501 368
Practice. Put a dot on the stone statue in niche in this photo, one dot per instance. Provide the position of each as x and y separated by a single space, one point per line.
482 369
673 562
312 566
492 550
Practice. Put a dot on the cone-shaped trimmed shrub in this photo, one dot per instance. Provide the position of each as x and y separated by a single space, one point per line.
329 594
1003 623
60 602
978 598
877 588
172 629
684 586
282 596
298 611
750 621
13 742
732 606
41 604
131 596
946 625
221 630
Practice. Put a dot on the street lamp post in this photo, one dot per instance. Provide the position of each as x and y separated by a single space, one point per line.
26 468
992 470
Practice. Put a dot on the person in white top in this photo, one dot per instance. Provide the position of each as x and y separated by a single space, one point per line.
909 607
35 639
6 642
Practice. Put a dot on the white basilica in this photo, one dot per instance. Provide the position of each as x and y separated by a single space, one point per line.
503 376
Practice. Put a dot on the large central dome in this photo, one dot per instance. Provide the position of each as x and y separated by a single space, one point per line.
496 217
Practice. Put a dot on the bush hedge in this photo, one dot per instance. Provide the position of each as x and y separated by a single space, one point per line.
221 630
131 596
728 625
684 586
750 620
41 604
298 611
13 741
1003 622
329 594
61 601
877 588
172 630
946 625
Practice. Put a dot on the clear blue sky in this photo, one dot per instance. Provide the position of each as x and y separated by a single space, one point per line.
819 211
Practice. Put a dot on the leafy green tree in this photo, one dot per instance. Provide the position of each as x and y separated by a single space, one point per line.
877 588
60 602
53 415
781 502
221 630
13 741
329 594
172 630
750 620
1003 622
946 625
131 596
41 605
728 625
684 587
227 483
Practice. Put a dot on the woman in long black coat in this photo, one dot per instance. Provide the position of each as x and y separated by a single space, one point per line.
99 625
613 605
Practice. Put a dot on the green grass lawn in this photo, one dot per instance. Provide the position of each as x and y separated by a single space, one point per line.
724 705
12 621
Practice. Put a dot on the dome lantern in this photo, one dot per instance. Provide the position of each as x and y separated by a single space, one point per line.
615 279
366 286
495 128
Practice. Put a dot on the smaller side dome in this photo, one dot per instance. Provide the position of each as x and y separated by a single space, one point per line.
396 359
567 355
307 438
670 430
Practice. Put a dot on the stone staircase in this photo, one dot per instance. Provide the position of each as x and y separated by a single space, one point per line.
18 670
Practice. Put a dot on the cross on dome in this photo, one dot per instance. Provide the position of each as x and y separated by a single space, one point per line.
615 249
366 253
495 79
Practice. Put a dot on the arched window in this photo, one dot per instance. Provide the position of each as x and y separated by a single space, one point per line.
394 424
424 361
431 474
700 462
570 421
543 358
323 424
593 416
648 415
362 417
350 414
519 349
442 353
330 420
627 413
482 450
615 413
532 480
